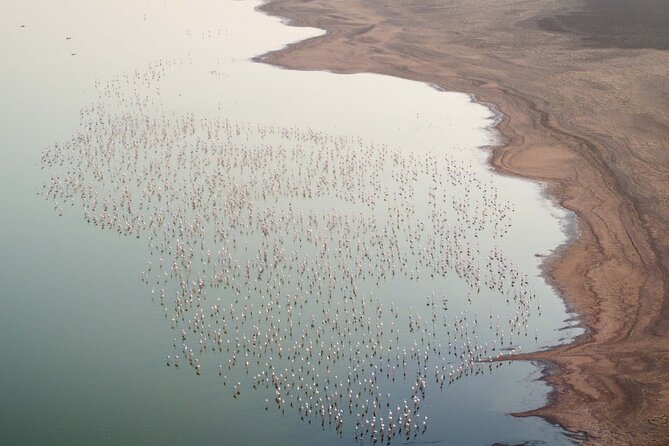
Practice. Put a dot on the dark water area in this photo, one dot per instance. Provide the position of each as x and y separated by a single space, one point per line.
633 24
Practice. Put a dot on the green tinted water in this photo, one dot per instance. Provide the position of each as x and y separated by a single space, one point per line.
85 340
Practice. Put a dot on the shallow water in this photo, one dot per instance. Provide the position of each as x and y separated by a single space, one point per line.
85 339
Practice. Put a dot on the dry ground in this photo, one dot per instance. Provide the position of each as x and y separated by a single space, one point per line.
588 114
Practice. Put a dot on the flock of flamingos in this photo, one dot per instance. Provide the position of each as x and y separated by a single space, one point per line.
341 280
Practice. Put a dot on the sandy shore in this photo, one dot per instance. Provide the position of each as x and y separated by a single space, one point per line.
587 114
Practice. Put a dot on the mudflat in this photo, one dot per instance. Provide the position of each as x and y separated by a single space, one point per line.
584 93
614 23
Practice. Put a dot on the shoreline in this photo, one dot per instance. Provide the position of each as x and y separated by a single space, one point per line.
610 383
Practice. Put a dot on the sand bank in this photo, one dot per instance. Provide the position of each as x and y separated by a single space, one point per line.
592 121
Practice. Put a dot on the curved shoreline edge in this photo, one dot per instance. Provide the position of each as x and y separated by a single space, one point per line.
610 385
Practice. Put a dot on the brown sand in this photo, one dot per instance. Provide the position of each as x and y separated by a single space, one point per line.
592 121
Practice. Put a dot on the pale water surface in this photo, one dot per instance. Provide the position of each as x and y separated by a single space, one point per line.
84 339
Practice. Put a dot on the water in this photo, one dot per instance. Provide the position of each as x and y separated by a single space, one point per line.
85 340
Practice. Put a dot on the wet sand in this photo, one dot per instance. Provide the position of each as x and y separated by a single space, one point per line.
584 112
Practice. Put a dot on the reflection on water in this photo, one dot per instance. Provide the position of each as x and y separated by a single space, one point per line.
329 253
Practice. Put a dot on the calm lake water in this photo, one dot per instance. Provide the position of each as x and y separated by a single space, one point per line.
319 251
